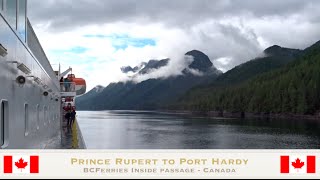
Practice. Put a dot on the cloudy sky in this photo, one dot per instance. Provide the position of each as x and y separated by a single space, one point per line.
97 37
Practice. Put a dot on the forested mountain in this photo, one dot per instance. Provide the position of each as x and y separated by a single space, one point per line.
283 80
151 93
272 58
294 88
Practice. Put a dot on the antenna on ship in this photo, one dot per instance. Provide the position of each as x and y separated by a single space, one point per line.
59 71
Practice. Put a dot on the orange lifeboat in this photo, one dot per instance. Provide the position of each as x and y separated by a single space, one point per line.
80 84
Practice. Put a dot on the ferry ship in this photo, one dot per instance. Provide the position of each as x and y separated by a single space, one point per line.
31 96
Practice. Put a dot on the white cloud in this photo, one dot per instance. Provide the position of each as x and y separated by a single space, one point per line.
174 68
228 39
106 61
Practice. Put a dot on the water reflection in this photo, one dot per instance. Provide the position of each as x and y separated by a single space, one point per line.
153 130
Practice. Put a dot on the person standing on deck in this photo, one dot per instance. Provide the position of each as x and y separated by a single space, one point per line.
66 84
71 84
68 110
68 118
72 116
61 84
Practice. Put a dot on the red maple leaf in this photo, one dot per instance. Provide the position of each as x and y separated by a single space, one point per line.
298 164
21 164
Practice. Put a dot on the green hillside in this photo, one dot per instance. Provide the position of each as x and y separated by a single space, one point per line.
294 88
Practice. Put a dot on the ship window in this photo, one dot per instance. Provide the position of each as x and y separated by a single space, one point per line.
38 117
22 19
49 115
4 120
26 119
1 5
45 114
11 13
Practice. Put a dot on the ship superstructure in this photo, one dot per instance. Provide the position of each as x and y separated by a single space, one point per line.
30 92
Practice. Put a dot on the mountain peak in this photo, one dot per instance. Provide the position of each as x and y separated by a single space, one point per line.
272 49
316 45
127 69
146 67
98 88
195 52
201 61
277 50
154 64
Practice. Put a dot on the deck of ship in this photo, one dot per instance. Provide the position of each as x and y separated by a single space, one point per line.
69 138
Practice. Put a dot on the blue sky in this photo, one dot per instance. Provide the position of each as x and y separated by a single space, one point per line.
123 41
119 42
77 54
76 49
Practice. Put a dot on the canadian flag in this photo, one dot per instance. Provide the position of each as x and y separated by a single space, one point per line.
21 164
298 164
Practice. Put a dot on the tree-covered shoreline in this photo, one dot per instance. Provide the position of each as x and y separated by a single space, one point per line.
293 89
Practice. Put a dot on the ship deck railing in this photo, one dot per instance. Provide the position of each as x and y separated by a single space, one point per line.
68 89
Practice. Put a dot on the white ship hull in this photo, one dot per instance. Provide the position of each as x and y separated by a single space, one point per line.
28 120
